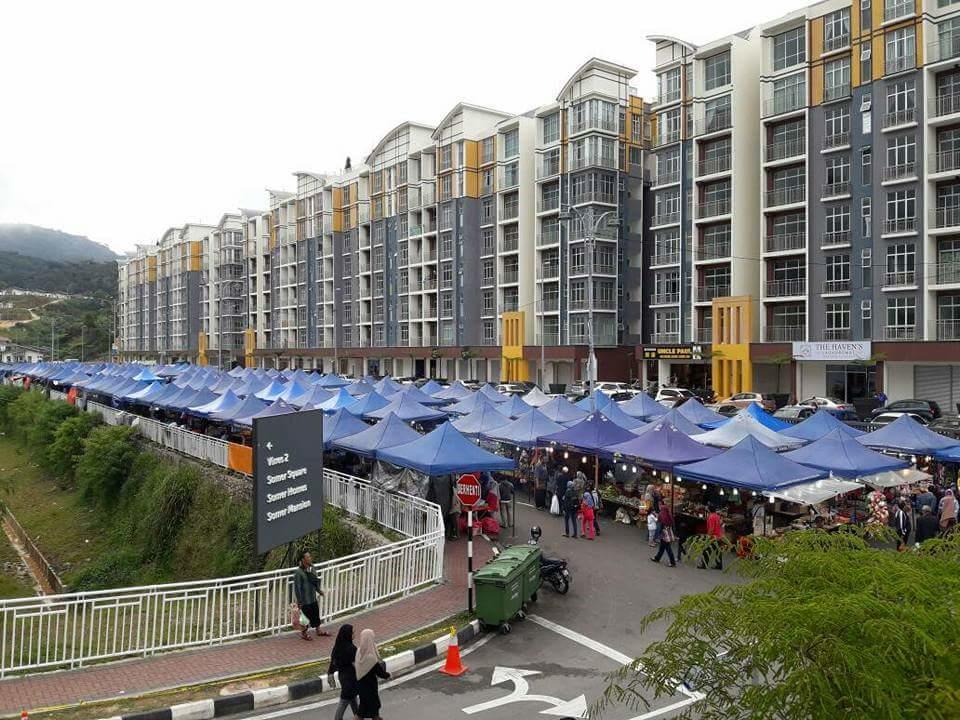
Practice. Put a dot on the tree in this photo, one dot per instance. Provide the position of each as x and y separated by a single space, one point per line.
826 626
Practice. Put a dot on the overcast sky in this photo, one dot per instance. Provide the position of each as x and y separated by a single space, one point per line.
118 122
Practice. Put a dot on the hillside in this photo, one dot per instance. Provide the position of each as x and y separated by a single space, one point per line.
81 328
52 245
76 278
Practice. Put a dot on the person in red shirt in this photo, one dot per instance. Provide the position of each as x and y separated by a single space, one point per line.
716 534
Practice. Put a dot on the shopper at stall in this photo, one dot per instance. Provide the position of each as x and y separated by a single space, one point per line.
948 511
597 507
570 505
652 522
927 497
587 506
540 478
716 535
902 525
927 525
667 534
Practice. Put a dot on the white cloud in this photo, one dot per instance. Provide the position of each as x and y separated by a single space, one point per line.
121 119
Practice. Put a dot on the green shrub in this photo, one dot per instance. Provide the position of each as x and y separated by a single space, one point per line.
21 413
120 568
108 453
171 500
8 395
64 452
49 417
216 538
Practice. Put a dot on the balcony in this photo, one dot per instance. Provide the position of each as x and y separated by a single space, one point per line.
836 286
836 189
946 161
785 101
947 217
549 304
945 47
785 242
785 333
713 208
590 159
510 212
593 196
714 165
948 273
707 293
665 338
668 96
836 43
836 140
837 92
548 166
667 178
948 329
892 226
900 332
783 149
546 203
705 335
509 276
671 298
666 138
429 283
548 338
899 172
904 278
835 238
900 117
549 235
666 258
596 122
899 64
785 196
795 287
510 244
548 271
719 120
670 218
836 334
714 250
429 255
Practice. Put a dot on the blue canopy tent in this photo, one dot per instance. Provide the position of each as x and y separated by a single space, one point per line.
742 425
237 372
251 386
225 402
592 434
340 425
387 386
272 391
674 418
361 387
415 393
297 388
367 404
841 455
764 418
132 387
432 387
385 434
644 407
315 397
949 455
487 417
468 404
166 392
250 406
818 425
663 447
613 412
595 400
226 382
332 380
146 375
408 410
694 411
278 407
457 391
536 398
525 431
491 392
170 402
336 401
191 398
749 465
514 407
147 390
560 410
445 451
907 435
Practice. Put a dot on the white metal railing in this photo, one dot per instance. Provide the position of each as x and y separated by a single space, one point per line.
76 629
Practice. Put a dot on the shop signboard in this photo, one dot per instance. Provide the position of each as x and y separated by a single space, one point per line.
839 351
288 477
673 352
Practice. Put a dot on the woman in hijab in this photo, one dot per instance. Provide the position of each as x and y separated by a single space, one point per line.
948 511
369 667
341 661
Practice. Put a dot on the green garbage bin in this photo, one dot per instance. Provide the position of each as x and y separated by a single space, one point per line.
499 588
528 557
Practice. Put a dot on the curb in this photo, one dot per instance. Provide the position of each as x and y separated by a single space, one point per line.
267 697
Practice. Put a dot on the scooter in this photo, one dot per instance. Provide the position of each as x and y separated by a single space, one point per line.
552 570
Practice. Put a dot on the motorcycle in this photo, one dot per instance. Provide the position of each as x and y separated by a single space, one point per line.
552 570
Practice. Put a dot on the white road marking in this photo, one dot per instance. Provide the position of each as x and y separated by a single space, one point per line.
669 708
521 693
391 683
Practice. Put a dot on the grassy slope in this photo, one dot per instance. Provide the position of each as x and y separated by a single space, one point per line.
11 586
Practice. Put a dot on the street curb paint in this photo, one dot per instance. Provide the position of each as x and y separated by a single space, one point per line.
252 699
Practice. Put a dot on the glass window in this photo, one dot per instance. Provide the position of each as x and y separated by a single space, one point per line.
836 29
789 48
901 49
866 165
901 205
668 85
837 316
901 312
716 70
837 124
511 143
902 97
551 128
789 93
838 170
836 79
901 258
837 219
901 153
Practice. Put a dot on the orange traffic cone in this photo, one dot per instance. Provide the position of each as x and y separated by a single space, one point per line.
453 665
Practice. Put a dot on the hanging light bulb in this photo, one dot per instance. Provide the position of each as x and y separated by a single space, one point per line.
735 492
704 487
654 473
754 493
565 454
634 468
583 459
624 467
565 468
721 491
770 500
518 448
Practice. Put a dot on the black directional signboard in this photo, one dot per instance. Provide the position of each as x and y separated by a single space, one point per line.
288 477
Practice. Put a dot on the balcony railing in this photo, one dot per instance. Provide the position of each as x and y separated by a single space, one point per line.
836 286
665 219
548 271
786 196
785 101
783 242
667 178
669 258
510 212
836 237
900 64
835 189
548 236
714 250
668 96
904 278
713 208
510 244
943 48
666 138
946 161
718 164
705 335
545 203
900 117
836 140
836 42
786 288
548 338
836 92
671 298
592 123
719 120
900 332
948 329
665 338
899 225
948 272
706 293
607 198
946 217
509 276
898 172
785 333
549 304
547 167
783 149
593 160
836 334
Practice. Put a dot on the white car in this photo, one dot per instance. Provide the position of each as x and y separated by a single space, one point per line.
668 397
616 390
826 402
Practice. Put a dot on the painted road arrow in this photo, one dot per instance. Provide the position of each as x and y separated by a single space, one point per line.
576 708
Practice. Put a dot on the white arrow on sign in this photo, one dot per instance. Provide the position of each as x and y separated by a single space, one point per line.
269 445
576 708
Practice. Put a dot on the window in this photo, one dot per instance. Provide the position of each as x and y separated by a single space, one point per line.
790 224
486 150
511 175
668 166
668 85
901 210
551 128
716 71
866 14
486 210
717 114
836 79
636 128
666 323
901 316
838 175
866 165
866 62
901 156
667 206
836 30
668 126
836 126
715 241
489 332
789 93
838 273
487 272
837 319
789 48
866 211
666 246
866 267
511 143
901 49
948 38
837 224
901 264
901 102
487 244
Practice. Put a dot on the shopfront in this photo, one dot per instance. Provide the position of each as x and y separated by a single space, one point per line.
676 365
841 370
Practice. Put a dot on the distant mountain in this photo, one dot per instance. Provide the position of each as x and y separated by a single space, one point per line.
76 278
52 245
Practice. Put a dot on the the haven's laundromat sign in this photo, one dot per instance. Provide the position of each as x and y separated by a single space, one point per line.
839 351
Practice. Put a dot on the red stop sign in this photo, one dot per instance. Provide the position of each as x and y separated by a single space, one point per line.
468 490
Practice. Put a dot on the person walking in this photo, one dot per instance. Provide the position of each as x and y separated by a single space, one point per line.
587 505
540 485
506 502
570 501
341 662
948 511
306 587
927 525
370 669
901 522
652 522
667 536
597 507
715 532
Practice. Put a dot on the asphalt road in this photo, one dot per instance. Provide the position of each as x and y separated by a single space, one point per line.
569 645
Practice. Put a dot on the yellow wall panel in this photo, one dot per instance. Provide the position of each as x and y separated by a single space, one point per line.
816 84
878 51
919 26
471 154
816 38
855 66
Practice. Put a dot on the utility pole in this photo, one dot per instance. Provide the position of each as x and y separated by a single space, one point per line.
82 328
52 357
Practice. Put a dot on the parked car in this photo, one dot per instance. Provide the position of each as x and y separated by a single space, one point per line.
888 417
512 389
743 399
670 397
844 414
828 403
726 409
795 412
927 409
576 391
616 390
948 425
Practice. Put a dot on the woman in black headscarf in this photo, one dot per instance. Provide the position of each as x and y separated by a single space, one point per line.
341 661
